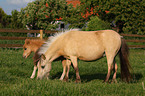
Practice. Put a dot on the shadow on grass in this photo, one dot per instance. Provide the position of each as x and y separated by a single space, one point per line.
101 76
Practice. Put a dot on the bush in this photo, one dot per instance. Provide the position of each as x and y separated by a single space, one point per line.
97 24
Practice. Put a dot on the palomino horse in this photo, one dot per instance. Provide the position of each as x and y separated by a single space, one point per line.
88 46
32 46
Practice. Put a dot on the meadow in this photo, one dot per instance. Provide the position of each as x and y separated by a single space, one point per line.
15 73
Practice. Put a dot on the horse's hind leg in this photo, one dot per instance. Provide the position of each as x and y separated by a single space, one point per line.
68 63
110 59
114 68
64 62
74 62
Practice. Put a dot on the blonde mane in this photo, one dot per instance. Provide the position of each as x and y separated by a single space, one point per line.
51 39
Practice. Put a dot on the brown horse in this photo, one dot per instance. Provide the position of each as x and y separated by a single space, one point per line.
88 46
32 45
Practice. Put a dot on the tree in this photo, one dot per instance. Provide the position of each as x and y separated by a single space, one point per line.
2 18
42 14
14 20
131 13
74 17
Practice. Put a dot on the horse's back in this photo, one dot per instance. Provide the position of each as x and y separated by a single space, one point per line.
88 45
102 37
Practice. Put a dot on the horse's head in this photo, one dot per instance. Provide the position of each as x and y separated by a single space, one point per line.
43 60
27 48
44 66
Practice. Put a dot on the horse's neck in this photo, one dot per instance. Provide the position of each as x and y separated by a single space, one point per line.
53 47
35 49
36 57
52 51
37 45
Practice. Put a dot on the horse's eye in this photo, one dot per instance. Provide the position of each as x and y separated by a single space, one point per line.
25 48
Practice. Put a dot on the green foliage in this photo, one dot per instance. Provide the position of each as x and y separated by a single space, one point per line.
2 18
15 24
74 17
97 24
15 73
42 14
9 21
130 12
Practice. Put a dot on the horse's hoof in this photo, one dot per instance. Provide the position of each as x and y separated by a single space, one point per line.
78 81
39 78
105 81
32 77
65 80
113 81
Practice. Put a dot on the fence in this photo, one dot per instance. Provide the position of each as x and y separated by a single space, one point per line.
20 38
136 40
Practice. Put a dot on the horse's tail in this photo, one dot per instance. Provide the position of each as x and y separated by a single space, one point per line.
124 62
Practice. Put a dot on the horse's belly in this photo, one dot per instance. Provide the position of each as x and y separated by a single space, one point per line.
90 56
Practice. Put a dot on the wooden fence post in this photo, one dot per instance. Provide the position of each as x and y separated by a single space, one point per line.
41 34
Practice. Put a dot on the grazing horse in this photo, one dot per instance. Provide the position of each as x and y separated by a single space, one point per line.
87 46
33 45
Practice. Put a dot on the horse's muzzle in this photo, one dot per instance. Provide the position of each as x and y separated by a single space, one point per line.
24 56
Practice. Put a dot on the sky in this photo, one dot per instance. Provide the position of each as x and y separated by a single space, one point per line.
9 5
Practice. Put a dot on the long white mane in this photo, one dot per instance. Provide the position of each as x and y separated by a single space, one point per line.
45 46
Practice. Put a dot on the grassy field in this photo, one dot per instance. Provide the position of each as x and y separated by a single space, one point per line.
15 79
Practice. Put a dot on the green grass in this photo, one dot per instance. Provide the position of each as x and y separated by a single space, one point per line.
15 79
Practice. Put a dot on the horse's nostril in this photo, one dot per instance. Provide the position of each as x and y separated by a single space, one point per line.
42 67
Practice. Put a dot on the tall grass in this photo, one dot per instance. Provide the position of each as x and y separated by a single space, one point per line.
15 77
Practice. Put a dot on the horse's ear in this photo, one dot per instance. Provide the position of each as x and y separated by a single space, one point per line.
43 57
27 41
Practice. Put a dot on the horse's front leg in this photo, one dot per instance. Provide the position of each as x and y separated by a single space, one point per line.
34 72
74 62
40 71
